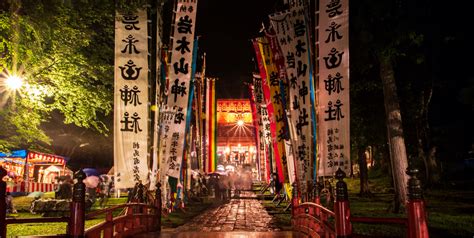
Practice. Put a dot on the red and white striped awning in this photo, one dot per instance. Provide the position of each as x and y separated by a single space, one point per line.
46 158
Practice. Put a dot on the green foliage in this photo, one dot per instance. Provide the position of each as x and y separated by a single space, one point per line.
64 52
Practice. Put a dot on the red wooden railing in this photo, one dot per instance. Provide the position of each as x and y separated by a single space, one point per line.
317 221
138 217
313 219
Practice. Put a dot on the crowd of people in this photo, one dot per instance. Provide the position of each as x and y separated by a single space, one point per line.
221 185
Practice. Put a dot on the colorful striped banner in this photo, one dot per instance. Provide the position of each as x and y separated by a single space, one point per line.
267 49
262 51
211 124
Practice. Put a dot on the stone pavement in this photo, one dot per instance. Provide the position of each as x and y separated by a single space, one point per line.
239 214
232 234
238 218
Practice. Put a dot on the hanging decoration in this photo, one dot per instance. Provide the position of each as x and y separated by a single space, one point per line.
211 125
267 48
263 126
333 97
179 83
291 30
131 99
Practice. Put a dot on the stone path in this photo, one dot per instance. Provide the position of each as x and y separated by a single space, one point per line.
239 214
239 218
233 234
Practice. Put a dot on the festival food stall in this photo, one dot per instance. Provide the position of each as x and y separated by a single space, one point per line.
30 171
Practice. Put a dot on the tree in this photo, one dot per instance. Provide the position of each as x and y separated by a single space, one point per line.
367 122
64 52
398 154
370 21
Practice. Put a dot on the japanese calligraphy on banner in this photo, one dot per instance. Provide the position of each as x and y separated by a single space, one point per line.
179 84
291 165
255 119
278 115
290 28
263 124
333 98
166 121
131 99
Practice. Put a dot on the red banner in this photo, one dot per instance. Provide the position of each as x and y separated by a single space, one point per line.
257 43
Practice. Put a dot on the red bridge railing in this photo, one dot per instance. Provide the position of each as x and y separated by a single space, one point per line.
318 221
313 219
136 218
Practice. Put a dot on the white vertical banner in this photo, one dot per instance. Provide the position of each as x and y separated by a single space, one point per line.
179 81
264 134
166 121
291 30
333 96
131 99
291 165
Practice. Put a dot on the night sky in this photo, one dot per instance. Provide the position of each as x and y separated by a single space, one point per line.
225 31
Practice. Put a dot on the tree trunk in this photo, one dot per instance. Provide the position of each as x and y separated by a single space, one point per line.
396 138
364 173
370 157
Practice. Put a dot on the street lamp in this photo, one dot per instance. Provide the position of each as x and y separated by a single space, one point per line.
14 82
10 83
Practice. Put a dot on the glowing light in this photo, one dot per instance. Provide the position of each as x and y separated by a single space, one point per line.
240 122
14 82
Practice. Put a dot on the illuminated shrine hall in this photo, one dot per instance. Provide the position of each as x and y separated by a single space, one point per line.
235 132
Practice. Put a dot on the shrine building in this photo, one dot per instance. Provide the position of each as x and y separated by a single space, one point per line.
235 132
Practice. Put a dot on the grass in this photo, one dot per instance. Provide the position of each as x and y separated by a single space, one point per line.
32 229
450 212
22 204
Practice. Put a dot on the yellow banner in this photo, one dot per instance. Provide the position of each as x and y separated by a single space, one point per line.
273 81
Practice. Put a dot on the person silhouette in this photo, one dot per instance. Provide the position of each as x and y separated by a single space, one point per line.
40 174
